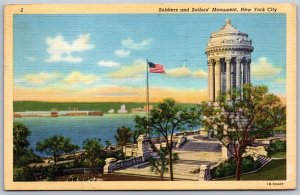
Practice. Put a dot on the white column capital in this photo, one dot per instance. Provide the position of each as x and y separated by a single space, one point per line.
228 60
239 59
217 61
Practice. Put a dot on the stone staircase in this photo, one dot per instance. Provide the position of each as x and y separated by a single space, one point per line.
263 161
141 165
200 146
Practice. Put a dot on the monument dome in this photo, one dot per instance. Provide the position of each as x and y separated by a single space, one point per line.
229 57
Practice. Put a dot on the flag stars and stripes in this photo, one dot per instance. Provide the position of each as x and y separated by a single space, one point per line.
156 68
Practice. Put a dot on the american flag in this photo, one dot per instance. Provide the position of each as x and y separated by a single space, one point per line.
156 68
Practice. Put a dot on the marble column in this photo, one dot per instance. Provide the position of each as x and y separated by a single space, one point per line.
238 72
217 77
228 76
248 70
245 74
211 90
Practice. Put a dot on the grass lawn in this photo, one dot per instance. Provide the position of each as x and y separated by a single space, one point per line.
275 170
279 155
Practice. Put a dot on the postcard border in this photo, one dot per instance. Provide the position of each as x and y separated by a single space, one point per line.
9 184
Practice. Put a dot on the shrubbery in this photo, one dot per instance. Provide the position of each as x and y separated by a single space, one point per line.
278 146
23 174
228 167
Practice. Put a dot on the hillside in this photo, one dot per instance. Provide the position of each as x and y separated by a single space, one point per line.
21 106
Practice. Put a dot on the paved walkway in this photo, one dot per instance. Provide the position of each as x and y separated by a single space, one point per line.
189 161
194 153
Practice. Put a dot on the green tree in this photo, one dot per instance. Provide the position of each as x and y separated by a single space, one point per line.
123 136
22 155
140 124
107 143
20 142
93 148
252 115
160 166
168 118
56 146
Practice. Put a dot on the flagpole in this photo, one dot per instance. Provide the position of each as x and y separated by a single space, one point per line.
147 96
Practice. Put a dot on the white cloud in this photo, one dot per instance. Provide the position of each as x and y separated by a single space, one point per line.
108 63
122 53
40 78
77 77
62 51
264 68
185 72
136 69
200 73
131 44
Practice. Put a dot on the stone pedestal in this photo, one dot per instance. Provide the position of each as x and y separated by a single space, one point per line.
110 164
224 155
204 173
144 148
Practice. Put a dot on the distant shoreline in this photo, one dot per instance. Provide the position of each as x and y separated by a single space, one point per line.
23 106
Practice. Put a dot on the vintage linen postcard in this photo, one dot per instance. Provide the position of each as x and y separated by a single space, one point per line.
150 97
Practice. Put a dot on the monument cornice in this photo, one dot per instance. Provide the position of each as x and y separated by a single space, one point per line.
218 34
228 48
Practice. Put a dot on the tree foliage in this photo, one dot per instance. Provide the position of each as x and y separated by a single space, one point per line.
22 155
123 136
20 142
107 143
278 146
93 149
166 119
253 115
160 166
56 146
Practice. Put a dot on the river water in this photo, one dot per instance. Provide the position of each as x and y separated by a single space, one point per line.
78 128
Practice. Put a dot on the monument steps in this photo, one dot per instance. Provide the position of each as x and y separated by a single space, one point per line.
263 160
141 165
200 146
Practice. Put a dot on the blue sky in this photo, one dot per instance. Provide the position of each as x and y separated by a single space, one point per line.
102 57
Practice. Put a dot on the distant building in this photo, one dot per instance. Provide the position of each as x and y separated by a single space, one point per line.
95 113
111 111
32 114
150 107
54 114
122 109
138 110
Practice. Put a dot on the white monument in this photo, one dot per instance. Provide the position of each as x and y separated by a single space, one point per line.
122 109
229 57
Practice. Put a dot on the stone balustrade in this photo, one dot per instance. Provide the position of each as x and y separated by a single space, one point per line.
112 164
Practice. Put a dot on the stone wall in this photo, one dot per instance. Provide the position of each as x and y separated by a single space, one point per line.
111 164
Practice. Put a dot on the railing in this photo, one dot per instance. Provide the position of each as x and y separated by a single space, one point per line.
121 164
80 170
